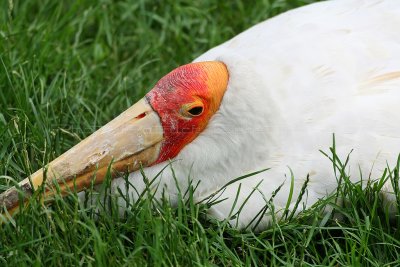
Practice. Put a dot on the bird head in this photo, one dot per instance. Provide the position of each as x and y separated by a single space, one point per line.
185 100
152 131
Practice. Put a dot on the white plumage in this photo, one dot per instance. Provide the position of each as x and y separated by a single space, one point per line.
330 67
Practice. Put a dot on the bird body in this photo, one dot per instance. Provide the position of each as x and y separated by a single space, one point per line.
294 80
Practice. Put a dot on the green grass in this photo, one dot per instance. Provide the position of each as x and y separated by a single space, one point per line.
68 67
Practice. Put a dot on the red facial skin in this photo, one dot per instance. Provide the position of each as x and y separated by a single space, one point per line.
196 85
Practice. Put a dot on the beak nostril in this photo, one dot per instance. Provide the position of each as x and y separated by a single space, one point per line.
140 116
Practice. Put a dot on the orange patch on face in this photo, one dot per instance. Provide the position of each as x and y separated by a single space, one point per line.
185 99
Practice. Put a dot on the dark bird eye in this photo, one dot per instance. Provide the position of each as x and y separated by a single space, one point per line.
195 111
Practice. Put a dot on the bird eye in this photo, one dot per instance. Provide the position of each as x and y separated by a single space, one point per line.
195 111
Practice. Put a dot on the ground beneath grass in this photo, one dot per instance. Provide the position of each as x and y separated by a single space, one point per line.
68 67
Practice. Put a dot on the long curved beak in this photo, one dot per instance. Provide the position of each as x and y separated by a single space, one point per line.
130 141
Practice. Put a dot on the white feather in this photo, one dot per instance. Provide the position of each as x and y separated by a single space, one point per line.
330 67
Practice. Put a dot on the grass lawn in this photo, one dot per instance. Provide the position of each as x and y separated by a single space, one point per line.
68 67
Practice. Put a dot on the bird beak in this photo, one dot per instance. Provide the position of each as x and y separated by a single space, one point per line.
125 144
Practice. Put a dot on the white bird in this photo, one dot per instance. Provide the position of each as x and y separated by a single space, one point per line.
271 97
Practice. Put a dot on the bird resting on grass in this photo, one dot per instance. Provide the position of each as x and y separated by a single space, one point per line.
271 97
